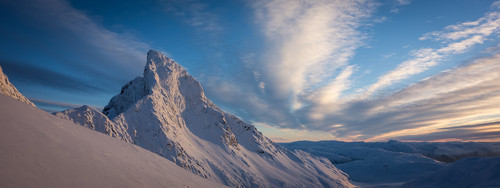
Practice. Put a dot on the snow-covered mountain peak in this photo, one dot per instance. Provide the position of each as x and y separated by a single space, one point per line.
166 111
8 89
162 78
157 58
159 68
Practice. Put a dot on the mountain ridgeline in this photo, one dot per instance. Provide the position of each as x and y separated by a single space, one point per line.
166 111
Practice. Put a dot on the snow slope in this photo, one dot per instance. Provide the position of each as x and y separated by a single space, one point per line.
41 150
166 111
469 172
8 89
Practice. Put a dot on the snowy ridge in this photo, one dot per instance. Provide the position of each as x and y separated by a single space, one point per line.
166 111
41 150
8 89
91 118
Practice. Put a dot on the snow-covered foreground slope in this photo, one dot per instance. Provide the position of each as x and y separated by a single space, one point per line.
469 172
41 150
8 89
166 111
393 161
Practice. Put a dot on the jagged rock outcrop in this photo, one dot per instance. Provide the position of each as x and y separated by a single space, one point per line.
8 89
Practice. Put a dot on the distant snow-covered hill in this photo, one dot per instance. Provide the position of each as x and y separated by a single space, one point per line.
41 150
441 151
465 173
166 111
393 161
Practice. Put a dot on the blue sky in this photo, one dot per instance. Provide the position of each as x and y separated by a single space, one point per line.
299 70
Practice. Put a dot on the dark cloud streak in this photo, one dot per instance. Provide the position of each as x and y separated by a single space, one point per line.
29 74
456 134
475 125
62 105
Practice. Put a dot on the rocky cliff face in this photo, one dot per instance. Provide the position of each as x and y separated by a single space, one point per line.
8 89
166 111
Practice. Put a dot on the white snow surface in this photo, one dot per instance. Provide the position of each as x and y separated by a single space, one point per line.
465 173
393 161
41 150
166 111
8 89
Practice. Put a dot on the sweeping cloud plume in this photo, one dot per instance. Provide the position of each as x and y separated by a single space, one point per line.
462 95
456 39
468 93
310 40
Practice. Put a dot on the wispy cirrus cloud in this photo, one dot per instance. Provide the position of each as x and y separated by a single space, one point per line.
456 39
309 42
397 4
304 77
304 45
460 96
65 42
463 95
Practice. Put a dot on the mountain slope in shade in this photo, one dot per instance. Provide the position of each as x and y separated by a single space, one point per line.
8 89
469 172
41 150
166 111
